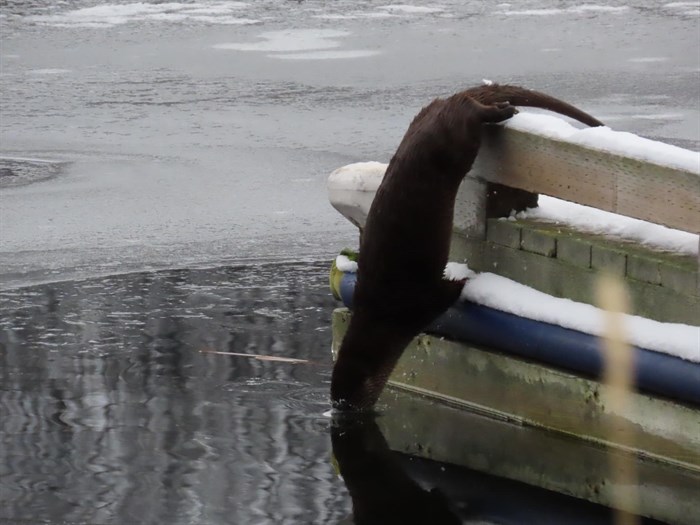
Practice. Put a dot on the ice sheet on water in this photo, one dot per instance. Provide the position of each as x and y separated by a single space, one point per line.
683 8
399 11
300 44
356 15
290 40
214 12
411 9
327 55
48 71
647 60
575 10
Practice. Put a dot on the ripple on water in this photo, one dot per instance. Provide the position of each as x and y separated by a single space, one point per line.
124 420
293 395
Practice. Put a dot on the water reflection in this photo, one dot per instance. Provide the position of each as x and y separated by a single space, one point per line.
114 411
392 487
111 414
381 490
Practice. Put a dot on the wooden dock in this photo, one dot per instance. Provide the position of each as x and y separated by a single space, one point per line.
524 420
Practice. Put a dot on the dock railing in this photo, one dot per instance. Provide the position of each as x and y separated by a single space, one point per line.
514 167
612 182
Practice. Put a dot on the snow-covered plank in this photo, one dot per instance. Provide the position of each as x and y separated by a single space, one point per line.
635 177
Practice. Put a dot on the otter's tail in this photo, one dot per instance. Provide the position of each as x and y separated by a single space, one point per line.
518 96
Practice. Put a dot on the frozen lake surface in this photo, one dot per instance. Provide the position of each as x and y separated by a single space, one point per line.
202 133
191 142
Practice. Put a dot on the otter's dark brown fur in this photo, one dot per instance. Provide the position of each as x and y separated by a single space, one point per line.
405 243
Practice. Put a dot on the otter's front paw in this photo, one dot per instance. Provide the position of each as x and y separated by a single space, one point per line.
499 112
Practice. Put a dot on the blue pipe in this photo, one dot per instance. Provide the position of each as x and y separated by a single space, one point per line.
468 322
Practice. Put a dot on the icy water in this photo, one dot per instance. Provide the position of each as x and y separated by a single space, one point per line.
114 410
162 197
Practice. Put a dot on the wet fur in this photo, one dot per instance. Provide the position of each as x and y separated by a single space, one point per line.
405 243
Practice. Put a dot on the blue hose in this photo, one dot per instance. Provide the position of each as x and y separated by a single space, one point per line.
468 322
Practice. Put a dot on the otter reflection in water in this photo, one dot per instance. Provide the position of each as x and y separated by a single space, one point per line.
382 492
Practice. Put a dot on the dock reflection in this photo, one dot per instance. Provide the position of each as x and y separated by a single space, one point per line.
421 462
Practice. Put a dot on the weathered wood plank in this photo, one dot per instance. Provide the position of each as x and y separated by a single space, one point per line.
587 176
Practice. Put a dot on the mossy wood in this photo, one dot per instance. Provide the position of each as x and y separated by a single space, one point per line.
419 426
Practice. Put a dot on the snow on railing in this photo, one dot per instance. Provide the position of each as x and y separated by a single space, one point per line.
610 170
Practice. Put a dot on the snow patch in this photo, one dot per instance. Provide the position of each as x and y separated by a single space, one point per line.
358 177
344 264
604 139
457 271
509 296
593 220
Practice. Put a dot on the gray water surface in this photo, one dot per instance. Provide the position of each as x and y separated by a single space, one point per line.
113 411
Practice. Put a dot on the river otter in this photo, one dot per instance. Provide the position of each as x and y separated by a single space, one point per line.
405 243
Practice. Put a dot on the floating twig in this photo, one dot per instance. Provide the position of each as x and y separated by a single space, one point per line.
260 357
